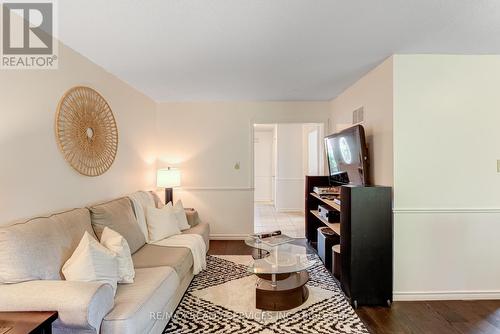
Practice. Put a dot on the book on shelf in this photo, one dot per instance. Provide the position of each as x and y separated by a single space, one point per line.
264 235
272 239
326 190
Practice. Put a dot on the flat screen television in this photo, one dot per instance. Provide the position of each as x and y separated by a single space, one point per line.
347 157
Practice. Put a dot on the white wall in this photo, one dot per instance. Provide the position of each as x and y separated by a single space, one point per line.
34 177
289 171
207 139
374 92
447 189
263 165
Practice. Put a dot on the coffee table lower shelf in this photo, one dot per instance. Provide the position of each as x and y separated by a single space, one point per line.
287 292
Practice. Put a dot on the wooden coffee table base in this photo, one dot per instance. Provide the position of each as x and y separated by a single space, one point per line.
289 292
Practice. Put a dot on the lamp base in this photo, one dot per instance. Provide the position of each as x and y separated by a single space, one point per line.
169 195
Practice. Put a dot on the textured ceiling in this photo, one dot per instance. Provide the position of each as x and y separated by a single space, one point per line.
187 50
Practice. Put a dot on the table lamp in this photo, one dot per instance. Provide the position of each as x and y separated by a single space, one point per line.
168 178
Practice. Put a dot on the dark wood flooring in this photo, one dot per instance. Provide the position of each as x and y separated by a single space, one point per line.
432 317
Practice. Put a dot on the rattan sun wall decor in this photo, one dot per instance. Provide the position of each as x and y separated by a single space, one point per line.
86 131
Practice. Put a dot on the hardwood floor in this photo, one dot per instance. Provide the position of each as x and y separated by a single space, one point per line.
229 247
432 317
443 317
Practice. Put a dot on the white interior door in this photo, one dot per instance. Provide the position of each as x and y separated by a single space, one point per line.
290 167
313 152
313 149
263 166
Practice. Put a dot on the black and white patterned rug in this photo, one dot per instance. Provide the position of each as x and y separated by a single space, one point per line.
221 299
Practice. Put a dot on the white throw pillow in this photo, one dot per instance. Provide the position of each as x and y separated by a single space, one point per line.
90 262
116 243
180 214
162 223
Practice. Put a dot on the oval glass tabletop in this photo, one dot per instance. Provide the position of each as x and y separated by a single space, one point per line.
281 259
291 246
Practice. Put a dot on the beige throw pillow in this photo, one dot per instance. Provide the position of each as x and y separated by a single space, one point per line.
158 202
192 217
162 223
119 216
116 243
91 262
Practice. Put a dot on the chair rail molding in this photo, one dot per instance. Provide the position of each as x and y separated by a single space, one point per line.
217 188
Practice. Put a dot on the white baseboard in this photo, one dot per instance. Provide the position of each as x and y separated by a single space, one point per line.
228 236
446 295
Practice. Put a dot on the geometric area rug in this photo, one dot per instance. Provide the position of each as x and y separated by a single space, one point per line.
221 299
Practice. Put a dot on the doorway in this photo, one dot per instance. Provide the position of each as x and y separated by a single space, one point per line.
283 154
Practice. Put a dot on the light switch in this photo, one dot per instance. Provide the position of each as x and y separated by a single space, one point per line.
498 166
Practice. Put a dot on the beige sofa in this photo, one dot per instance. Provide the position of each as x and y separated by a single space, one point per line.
32 253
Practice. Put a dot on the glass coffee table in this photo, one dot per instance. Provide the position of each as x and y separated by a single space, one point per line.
282 273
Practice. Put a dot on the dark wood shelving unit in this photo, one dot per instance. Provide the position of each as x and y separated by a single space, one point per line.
366 238
334 226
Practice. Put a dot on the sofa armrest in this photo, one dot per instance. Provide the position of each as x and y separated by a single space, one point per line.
79 304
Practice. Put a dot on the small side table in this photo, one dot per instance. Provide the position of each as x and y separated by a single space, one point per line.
27 322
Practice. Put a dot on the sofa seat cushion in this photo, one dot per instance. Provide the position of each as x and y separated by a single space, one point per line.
137 303
37 248
179 258
202 229
119 216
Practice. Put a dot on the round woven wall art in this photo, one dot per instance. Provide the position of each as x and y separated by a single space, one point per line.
86 131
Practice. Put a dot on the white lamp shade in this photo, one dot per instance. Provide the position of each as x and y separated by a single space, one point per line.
168 178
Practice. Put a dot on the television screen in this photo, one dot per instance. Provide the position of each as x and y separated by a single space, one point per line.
347 157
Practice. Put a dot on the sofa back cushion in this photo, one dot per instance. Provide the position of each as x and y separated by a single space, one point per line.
158 202
141 200
118 216
36 249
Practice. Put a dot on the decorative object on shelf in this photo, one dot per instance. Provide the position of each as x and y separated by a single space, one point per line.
168 178
86 131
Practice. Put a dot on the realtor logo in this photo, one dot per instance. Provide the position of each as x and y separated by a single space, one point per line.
27 35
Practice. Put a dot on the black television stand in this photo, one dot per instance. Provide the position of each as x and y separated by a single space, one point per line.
365 233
